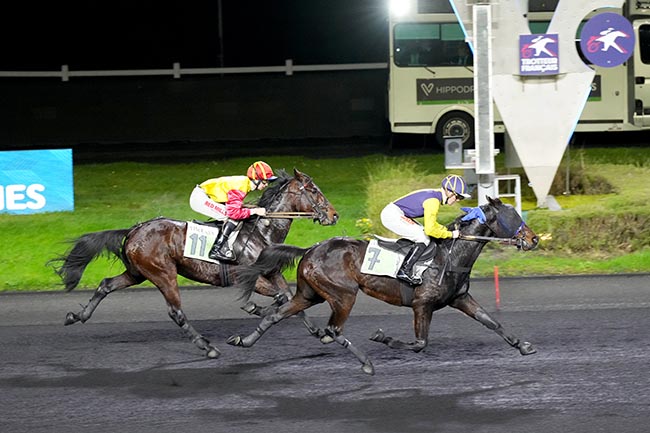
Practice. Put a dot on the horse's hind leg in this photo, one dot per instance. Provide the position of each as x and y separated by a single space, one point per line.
421 321
469 306
107 286
366 365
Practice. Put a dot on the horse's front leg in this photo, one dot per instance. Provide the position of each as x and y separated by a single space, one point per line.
108 285
286 310
422 314
473 309
199 340
277 287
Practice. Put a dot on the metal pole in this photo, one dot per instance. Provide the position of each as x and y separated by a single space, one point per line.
483 104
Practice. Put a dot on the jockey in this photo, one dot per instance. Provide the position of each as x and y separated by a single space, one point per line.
398 216
222 199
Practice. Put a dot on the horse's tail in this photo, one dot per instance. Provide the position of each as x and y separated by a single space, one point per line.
85 249
273 259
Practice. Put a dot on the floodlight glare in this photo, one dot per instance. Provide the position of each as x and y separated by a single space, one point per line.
399 8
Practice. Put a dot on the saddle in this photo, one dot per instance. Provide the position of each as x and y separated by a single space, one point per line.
210 223
403 246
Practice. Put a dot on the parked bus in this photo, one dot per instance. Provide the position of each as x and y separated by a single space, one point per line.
428 51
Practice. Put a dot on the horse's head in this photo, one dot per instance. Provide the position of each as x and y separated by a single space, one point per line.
504 221
299 194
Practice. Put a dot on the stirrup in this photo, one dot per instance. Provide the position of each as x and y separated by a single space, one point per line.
222 255
412 280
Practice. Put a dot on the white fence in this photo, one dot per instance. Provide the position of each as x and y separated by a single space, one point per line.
177 72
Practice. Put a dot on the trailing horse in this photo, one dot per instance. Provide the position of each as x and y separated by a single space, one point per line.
332 271
156 250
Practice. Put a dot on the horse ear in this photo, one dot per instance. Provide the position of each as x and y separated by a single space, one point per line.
493 201
297 173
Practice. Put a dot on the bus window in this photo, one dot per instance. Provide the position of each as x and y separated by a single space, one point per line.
430 44
644 43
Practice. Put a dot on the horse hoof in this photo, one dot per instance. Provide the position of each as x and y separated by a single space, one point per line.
212 352
235 340
71 318
378 336
368 368
526 348
326 339
250 308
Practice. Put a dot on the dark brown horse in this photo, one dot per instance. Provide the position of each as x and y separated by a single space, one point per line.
331 271
154 251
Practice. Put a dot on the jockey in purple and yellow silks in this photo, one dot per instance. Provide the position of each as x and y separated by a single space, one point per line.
399 217
222 198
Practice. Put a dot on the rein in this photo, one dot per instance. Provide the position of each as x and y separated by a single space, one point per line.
488 238
511 241
291 215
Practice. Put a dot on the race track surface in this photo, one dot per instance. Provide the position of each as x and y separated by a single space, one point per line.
130 368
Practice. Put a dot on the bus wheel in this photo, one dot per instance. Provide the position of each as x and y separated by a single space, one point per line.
456 124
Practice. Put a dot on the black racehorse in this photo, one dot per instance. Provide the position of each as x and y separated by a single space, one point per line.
331 271
154 250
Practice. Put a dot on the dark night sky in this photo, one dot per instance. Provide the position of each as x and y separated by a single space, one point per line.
144 34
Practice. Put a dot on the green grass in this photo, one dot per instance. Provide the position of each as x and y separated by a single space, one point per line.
119 195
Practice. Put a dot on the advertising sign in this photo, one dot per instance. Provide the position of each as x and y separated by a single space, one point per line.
539 54
607 40
444 91
36 181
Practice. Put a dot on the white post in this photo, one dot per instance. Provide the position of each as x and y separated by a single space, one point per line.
483 106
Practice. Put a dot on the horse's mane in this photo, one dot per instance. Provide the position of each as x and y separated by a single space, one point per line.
272 191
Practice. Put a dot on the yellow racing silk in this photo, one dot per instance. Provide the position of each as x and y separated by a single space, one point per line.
431 225
230 190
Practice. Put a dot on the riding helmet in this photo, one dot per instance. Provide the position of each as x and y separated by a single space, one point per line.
260 170
456 184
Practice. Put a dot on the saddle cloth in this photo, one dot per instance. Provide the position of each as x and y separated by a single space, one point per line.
384 256
199 238
381 261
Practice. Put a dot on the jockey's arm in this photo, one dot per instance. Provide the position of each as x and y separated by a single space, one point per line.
234 205
431 225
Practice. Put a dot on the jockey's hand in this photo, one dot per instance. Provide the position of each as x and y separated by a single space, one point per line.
455 234
258 211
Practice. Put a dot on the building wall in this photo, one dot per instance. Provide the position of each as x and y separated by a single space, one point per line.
48 112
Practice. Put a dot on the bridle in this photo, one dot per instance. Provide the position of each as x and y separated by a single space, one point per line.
320 211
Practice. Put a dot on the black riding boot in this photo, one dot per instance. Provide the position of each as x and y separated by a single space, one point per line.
406 271
221 250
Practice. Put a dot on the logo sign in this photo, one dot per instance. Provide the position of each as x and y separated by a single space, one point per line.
607 40
36 181
445 91
539 54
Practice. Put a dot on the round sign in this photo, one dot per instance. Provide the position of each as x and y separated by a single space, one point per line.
607 40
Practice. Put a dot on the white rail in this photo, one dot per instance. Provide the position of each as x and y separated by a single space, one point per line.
176 71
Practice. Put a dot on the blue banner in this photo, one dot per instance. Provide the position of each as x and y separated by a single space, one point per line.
36 181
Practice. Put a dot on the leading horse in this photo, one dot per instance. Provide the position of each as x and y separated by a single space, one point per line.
154 250
331 271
